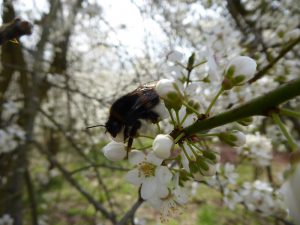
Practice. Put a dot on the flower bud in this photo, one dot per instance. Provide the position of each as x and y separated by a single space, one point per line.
233 138
114 151
239 71
211 171
169 91
164 87
162 146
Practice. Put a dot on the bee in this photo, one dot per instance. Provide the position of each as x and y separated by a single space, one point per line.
126 113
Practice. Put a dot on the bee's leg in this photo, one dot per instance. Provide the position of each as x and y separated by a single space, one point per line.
129 144
132 134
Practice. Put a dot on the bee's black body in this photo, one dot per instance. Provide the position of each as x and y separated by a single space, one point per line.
127 111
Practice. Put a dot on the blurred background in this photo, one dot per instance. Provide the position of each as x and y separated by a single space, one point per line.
84 54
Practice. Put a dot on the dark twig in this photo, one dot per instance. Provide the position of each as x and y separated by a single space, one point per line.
111 167
282 53
97 205
130 214
14 29
31 196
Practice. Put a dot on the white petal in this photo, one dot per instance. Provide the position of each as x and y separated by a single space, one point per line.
135 157
161 110
164 87
185 162
163 174
180 195
162 191
148 187
243 65
151 158
162 146
133 177
155 202
114 151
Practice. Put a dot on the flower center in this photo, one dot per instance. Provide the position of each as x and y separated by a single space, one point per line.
147 169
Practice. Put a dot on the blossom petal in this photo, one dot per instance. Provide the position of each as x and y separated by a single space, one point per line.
155 202
162 191
163 174
180 195
153 159
148 187
185 162
133 177
135 157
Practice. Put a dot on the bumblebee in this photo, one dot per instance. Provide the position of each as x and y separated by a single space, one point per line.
127 112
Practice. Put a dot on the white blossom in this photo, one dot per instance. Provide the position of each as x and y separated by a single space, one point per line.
164 87
258 149
6 220
114 151
243 68
162 146
148 173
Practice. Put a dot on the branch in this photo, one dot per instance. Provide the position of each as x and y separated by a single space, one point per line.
73 182
14 29
282 53
259 106
31 196
131 212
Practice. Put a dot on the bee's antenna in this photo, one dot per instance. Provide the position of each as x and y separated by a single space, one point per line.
100 125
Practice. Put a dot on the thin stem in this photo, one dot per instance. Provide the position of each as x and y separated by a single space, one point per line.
193 150
146 136
288 112
188 76
179 137
183 120
197 147
177 116
285 132
208 135
191 108
214 101
199 64
181 65
158 128
144 147
172 117
185 153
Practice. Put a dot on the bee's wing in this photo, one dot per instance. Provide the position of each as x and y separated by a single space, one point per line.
146 98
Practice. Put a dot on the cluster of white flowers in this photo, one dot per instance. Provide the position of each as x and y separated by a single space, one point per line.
10 137
6 220
162 172
258 149
258 196
10 108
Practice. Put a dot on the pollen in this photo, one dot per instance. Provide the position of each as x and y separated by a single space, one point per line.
147 169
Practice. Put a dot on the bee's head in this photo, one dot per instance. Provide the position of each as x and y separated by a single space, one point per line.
113 127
